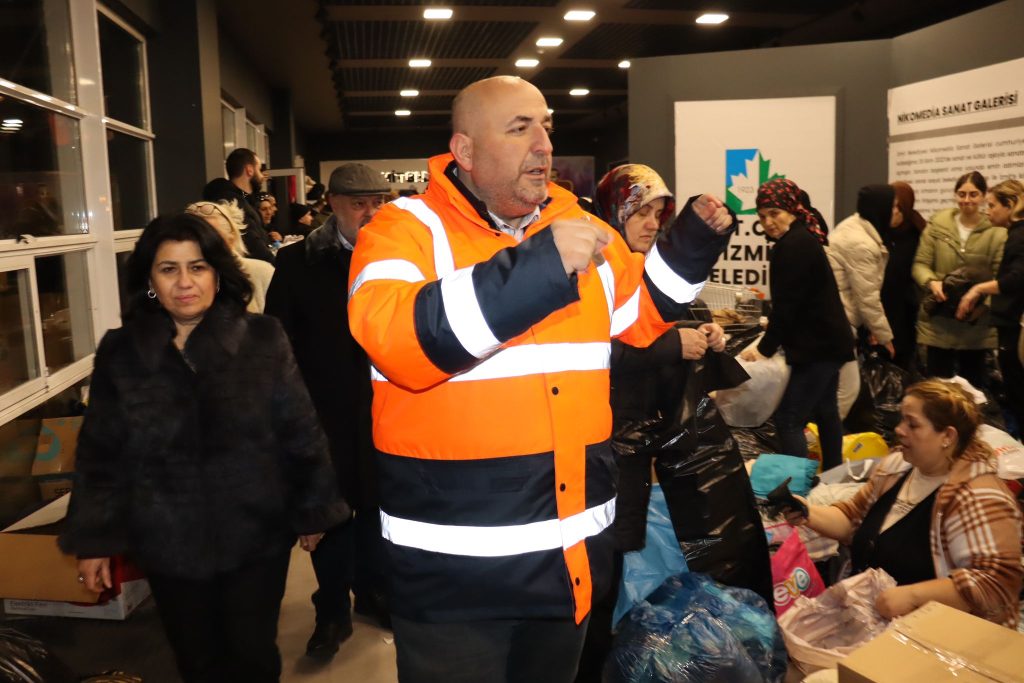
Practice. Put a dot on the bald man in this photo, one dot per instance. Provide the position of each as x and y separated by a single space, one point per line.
487 306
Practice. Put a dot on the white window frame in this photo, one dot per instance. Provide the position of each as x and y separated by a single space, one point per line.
145 133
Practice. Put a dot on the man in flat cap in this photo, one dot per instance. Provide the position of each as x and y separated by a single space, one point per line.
309 293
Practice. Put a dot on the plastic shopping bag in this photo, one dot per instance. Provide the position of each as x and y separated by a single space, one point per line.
793 574
693 630
644 570
820 631
753 402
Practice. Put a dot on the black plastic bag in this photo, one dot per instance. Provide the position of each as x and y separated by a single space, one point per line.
26 660
693 630
740 338
754 441
877 408
710 499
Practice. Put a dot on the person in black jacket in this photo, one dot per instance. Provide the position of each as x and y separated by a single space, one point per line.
309 294
1006 210
245 178
900 298
807 321
646 383
200 456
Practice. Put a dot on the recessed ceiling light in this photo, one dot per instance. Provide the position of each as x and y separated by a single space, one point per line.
527 63
624 64
437 13
579 92
402 112
409 93
579 15
712 18
551 111
549 42
12 122
419 63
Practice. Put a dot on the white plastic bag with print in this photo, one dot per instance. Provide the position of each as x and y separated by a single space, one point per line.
820 631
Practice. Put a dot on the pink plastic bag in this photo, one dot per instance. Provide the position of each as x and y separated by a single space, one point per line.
793 574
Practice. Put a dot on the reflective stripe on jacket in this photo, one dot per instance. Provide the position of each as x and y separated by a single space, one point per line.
490 412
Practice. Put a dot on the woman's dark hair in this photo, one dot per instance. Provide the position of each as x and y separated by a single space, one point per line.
974 178
234 287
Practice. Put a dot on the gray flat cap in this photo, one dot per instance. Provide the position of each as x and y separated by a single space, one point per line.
356 179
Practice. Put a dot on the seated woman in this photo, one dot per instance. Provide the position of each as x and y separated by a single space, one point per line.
229 220
936 516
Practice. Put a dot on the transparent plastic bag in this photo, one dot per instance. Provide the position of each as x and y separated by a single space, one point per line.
693 629
753 402
820 631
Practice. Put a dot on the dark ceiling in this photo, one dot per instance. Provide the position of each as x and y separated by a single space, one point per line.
353 54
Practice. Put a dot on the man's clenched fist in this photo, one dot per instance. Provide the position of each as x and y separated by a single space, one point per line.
579 242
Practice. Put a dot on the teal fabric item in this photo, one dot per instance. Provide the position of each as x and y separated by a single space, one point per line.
771 469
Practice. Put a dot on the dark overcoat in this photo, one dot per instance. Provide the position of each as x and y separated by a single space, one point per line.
197 462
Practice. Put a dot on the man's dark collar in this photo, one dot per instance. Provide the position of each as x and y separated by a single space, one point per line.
452 174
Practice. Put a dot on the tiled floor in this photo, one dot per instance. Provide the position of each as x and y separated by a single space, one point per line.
367 657
138 645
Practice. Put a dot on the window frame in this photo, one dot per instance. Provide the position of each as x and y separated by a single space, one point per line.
145 133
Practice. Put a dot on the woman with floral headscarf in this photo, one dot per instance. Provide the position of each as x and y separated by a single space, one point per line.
807 321
634 200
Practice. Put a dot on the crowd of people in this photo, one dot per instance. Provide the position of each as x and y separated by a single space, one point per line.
428 402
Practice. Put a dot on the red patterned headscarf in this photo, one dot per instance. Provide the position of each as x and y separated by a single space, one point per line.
783 193
626 189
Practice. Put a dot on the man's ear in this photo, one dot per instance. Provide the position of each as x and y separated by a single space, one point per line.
461 147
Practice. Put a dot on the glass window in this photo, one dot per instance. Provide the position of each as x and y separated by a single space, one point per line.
227 127
121 61
35 46
19 357
129 180
250 137
65 308
41 166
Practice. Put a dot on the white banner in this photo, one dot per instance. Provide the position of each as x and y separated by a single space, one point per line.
945 127
991 93
730 147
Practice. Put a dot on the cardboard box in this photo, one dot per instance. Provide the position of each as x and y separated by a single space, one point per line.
938 644
37 578
55 456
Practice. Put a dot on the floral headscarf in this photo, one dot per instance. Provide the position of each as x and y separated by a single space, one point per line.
626 189
783 193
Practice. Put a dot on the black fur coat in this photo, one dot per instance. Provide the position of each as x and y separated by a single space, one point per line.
199 462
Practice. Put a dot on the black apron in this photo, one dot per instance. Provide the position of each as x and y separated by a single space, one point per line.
904 549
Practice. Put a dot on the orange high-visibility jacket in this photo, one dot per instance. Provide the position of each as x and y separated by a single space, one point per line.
490 408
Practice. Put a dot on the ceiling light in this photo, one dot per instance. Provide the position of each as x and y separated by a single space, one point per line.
624 64
579 92
551 111
712 18
579 15
527 63
549 42
409 93
438 13
402 112
13 122
419 63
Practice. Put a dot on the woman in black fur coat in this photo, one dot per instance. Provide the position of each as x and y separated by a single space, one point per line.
201 456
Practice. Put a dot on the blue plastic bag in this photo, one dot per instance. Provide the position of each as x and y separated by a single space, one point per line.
644 570
694 630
